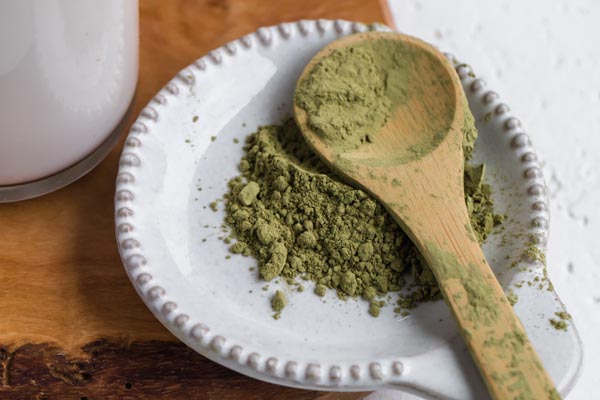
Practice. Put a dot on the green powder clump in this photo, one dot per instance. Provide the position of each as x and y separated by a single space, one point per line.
375 307
278 302
320 290
563 315
301 221
561 323
479 201
248 193
512 297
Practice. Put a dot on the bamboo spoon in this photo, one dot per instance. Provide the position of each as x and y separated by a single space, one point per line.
417 174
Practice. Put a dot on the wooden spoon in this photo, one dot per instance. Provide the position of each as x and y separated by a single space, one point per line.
423 191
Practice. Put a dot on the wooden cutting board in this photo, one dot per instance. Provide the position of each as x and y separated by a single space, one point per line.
72 326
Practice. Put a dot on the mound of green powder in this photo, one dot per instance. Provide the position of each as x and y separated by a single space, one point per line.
345 96
299 220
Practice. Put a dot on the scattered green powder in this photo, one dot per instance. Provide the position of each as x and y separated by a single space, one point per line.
298 219
213 138
561 324
479 306
195 118
533 254
236 140
513 363
563 315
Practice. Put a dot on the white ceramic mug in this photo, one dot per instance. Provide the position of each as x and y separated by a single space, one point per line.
68 72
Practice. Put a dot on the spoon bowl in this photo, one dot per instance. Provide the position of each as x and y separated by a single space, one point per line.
417 69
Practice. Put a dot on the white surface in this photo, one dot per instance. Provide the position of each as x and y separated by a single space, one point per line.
68 72
162 218
544 57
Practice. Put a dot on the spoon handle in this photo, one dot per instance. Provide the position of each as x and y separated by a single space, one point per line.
494 334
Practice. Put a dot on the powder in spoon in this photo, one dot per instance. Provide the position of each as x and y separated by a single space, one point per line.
299 220
345 96
351 93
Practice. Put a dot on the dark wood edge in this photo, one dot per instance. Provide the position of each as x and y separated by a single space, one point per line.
110 369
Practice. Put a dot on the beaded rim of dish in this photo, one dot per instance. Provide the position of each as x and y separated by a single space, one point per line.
139 271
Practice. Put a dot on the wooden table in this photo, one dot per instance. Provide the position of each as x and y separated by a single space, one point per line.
72 326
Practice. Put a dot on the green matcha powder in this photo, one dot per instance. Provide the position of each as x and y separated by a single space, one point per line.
299 220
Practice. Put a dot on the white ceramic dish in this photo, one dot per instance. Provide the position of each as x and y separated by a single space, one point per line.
204 299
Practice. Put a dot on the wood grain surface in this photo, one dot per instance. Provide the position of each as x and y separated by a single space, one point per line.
72 326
